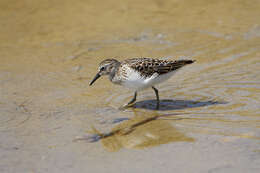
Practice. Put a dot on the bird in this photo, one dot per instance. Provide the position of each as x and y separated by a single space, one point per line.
139 73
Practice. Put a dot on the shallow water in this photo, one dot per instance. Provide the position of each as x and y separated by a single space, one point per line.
50 51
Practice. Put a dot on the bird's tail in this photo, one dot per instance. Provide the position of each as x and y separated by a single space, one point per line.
185 61
180 63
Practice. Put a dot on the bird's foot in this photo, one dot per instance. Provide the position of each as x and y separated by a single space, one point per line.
126 106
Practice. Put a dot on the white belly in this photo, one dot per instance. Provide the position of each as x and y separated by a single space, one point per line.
137 82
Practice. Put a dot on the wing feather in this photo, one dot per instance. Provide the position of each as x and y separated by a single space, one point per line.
148 66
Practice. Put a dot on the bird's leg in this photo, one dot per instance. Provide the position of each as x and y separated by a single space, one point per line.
131 101
157 97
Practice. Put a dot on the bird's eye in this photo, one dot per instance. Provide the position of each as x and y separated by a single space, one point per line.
102 68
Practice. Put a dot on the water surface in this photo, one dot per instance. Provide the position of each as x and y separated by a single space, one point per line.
209 115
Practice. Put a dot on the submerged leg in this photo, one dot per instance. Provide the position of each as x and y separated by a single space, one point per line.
133 100
157 97
129 103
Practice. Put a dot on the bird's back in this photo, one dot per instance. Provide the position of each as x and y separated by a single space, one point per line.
148 66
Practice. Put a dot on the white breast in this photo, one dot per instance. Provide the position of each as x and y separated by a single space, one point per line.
137 82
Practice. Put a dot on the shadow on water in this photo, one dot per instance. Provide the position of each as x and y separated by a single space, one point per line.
166 105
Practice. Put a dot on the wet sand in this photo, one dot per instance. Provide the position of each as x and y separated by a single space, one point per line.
52 121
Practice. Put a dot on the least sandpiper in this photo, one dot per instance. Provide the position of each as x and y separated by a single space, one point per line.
139 73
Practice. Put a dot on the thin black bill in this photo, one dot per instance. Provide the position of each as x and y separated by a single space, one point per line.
95 78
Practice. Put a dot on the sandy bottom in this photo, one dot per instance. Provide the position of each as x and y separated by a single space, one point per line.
52 121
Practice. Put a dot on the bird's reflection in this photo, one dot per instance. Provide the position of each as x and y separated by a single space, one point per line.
141 131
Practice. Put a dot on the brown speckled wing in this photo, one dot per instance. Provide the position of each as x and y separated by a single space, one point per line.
148 66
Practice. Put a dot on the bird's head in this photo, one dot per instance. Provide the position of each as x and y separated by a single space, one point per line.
106 67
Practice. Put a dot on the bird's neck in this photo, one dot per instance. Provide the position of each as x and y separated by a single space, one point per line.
114 70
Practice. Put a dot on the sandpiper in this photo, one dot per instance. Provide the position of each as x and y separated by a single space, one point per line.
139 73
